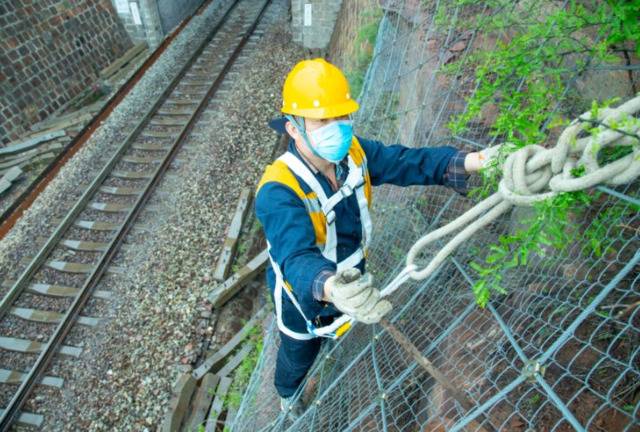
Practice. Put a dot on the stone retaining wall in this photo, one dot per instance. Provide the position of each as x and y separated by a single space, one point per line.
50 51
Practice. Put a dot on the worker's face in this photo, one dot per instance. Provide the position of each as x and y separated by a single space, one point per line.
327 139
311 125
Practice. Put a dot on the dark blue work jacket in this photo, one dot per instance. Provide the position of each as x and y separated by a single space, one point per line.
290 233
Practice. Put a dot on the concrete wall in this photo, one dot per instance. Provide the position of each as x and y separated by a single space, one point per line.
312 22
172 12
151 20
50 51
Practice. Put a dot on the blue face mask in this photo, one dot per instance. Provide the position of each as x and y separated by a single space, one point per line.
331 142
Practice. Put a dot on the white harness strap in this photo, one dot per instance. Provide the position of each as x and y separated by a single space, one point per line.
354 183
277 299
301 170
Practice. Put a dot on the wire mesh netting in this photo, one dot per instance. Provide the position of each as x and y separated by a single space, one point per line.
558 351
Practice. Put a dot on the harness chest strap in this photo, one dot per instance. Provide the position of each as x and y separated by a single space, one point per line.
354 184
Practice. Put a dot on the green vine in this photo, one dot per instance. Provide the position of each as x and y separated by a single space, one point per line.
363 45
525 79
245 369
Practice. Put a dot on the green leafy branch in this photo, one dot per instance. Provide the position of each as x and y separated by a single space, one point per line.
364 44
523 78
245 369
549 227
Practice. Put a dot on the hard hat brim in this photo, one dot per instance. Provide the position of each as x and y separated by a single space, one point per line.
277 125
338 110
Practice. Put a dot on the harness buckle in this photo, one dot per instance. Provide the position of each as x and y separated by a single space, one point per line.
346 190
331 217
311 329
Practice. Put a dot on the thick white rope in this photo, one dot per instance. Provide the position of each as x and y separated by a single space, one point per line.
534 173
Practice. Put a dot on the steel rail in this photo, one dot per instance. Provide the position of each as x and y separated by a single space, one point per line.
11 214
20 284
12 410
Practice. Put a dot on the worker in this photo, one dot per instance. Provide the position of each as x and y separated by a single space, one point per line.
313 203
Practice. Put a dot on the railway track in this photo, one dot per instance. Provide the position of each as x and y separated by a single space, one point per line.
47 298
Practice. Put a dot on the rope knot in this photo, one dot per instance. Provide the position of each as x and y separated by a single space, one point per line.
534 173
527 172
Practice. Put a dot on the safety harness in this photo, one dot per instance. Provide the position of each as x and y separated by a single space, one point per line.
323 217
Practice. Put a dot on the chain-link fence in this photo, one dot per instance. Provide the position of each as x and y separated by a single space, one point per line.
559 350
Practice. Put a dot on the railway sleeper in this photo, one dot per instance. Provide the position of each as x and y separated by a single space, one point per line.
49 317
34 347
16 377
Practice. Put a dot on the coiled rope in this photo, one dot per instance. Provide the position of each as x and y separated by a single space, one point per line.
535 173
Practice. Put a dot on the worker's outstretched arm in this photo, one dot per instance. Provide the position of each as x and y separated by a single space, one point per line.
405 166
291 235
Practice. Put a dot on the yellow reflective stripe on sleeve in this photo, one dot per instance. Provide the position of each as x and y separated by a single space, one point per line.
279 172
319 222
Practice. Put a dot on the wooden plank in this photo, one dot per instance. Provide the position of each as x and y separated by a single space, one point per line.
235 361
49 317
223 292
202 401
232 411
82 245
168 121
126 58
43 157
4 185
26 157
218 403
125 71
12 174
70 267
16 161
52 122
9 159
9 177
215 360
64 121
30 143
231 242
94 107
182 392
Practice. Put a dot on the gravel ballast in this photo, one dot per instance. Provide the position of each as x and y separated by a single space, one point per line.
42 217
150 331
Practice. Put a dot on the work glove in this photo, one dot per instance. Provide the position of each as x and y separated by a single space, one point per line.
482 159
489 155
353 295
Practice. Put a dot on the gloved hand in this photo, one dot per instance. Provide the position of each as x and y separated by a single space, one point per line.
489 154
477 160
353 295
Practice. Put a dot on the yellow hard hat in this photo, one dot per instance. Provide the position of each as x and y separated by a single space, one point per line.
317 89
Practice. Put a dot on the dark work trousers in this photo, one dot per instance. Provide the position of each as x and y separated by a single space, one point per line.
295 358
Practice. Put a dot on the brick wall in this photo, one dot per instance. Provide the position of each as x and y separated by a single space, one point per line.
50 51
313 22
